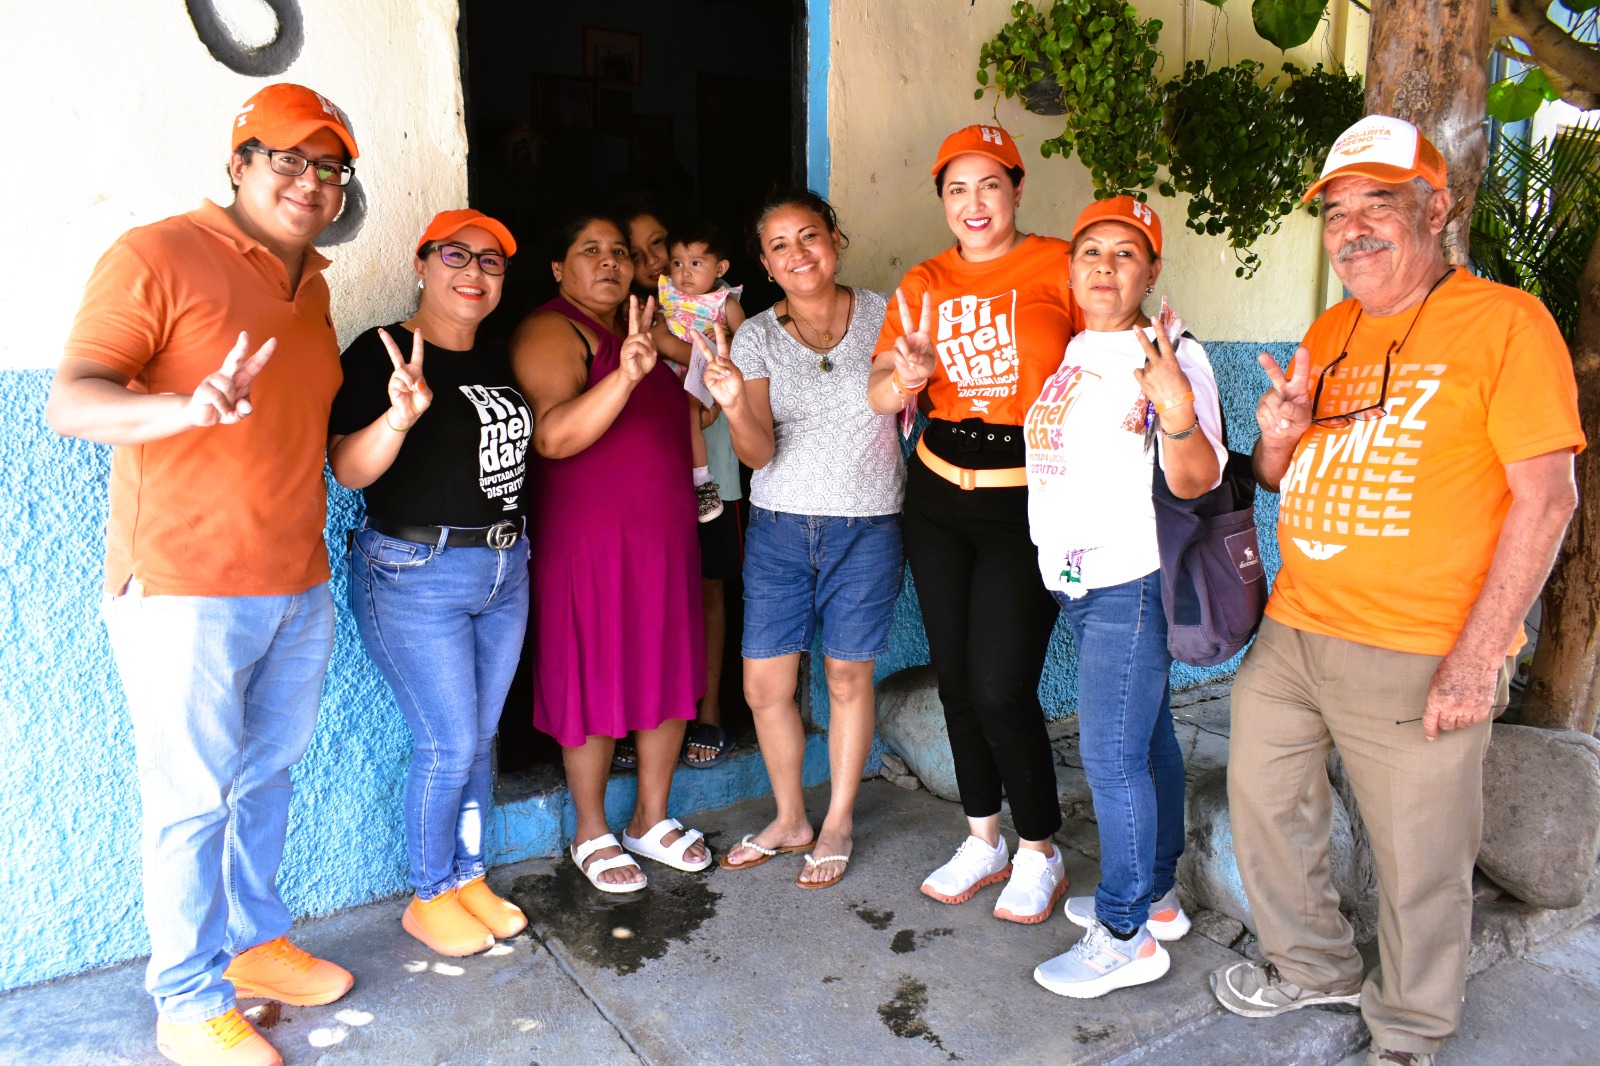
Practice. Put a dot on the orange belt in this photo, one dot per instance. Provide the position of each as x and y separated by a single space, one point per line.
1010 477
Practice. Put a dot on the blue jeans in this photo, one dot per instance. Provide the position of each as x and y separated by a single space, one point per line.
805 572
223 692
1130 752
444 626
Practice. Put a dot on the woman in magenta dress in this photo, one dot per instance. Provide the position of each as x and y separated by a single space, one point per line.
618 647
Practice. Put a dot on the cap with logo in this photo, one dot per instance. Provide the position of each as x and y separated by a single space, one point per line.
284 114
447 224
991 141
1390 150
1123 209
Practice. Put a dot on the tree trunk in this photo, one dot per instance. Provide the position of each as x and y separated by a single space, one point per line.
1426 63
1564 690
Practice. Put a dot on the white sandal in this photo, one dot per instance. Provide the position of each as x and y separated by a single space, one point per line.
581 852
650 846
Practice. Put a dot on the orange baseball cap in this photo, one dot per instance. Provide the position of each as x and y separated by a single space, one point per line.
991 141
1385 149
1123 209
284 114
448 223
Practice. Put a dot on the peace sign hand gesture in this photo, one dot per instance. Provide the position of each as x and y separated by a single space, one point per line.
914 359
638 355
224 395
724 381
1284 412
409 395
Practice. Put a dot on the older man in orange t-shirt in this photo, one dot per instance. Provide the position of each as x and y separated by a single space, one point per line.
1422 441
216 593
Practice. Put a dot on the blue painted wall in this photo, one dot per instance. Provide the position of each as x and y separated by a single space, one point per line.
69 806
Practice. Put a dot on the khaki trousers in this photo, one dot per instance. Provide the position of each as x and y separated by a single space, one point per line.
1297 695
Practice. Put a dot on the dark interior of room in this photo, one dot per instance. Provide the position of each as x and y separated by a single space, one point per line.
695 104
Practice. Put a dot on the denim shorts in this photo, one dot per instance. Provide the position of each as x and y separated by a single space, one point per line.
803 573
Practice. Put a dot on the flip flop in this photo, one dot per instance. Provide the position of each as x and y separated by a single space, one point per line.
749 841
581 852
672 855
830 882
705 736
625 756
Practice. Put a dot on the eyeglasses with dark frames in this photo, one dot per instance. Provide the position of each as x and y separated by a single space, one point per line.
456 257
293 164
1360 414
1381 408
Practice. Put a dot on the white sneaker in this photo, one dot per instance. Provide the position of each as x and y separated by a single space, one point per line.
1100 963
1036 883
1167 920
974 865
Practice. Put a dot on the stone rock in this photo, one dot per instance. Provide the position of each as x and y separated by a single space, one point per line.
897 773
1209 871
1541 813
1217 927
911 723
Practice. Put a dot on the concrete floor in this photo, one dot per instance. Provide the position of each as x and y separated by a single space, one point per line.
743 967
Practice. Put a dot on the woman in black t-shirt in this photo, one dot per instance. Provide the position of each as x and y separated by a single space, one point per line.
439 570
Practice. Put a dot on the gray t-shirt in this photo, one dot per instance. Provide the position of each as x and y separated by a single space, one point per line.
834 455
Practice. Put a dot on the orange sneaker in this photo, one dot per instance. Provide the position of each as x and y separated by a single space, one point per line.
446 926
279 970
500 916
226 1040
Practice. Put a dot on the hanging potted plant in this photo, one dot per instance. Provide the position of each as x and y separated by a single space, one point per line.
1094 62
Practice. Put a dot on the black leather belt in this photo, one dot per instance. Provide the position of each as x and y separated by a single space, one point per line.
499 536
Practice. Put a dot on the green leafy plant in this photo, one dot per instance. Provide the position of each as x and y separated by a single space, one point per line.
1537 215
1102 57
1243 151
1234 152
1323 104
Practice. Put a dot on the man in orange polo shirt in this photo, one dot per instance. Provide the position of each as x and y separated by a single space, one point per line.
1423 443
204 351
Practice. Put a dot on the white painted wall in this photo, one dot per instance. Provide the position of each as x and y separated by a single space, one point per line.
117 115
901 79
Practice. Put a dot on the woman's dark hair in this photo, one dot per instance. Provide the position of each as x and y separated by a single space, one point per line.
804 198
699 231
1014 173
566 231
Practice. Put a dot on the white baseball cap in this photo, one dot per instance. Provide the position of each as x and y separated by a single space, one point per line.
1385 149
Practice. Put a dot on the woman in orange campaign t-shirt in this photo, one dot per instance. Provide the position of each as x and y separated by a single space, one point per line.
982 326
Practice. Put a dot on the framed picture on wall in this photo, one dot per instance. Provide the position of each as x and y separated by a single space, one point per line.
563 103
612 55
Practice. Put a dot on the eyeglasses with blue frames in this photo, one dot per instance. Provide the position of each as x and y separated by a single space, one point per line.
456 257
293 164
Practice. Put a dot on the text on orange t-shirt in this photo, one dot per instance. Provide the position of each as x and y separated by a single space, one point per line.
999 327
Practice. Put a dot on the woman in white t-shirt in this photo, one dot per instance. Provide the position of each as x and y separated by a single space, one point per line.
1121 401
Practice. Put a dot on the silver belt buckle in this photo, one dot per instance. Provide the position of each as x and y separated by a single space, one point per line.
502 535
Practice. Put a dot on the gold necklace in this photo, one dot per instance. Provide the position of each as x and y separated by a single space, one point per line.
833 309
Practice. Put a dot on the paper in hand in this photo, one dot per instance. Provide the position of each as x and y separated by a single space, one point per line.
694 380
1169 322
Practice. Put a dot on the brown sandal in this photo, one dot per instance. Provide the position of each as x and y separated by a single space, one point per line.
766 853
830 882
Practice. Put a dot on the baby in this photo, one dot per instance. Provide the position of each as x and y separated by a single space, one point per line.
694 298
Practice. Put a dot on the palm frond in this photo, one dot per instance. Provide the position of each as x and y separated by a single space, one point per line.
1537 214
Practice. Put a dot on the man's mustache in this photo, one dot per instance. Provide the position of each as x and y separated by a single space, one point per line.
1362 245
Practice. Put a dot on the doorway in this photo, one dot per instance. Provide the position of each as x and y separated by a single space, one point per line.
696 105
